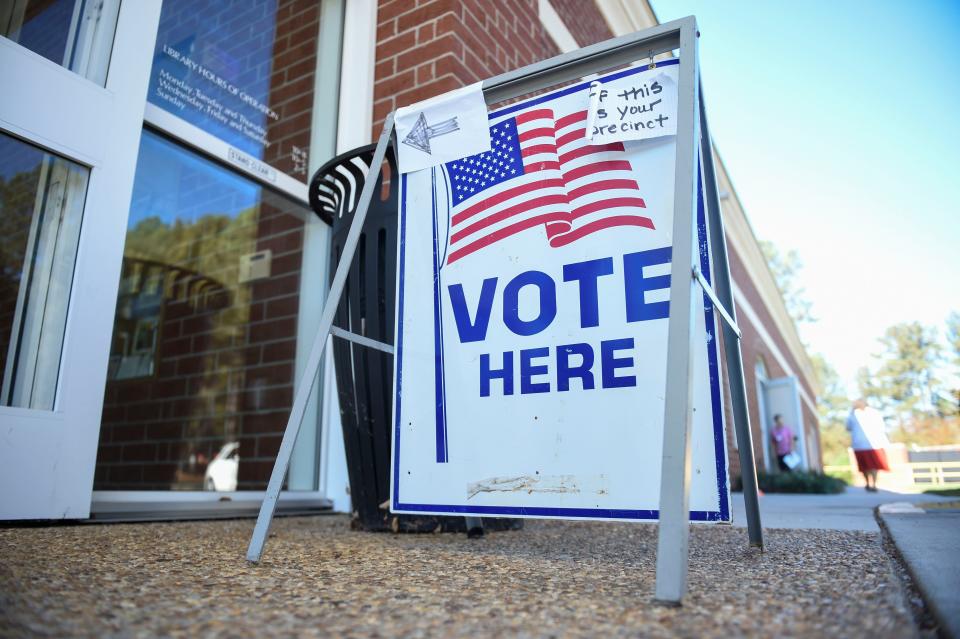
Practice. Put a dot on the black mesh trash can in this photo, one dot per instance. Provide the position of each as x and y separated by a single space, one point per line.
365 374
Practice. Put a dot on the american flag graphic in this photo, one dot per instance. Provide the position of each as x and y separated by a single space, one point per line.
541 171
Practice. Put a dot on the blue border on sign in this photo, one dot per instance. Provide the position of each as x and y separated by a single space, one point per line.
723 514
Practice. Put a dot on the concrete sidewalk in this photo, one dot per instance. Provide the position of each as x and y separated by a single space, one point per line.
850 510
929 543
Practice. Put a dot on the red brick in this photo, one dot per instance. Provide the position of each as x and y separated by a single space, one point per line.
295 54
268 446
397 83
280 351
112 413
144 412
108 454
427 32
449 65
276 286
275 422
248 448
380 110
424 13
283 307
298 76
165 430
280 243
271 330
391 9
268 398
273 375
160 473
396 44
436 87
139 452
191 365
169 388
385 69
289 263
386 30
425 73
443 45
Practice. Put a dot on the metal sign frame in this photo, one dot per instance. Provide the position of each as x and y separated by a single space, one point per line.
693 146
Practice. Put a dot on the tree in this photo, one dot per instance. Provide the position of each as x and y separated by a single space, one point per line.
905 381
952 400
832 406
785 269
907 385
953 339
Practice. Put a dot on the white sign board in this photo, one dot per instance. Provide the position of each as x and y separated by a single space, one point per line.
532 327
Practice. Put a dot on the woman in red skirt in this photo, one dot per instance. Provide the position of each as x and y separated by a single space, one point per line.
868 437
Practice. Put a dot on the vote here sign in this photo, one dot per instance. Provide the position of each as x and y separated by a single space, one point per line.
532 317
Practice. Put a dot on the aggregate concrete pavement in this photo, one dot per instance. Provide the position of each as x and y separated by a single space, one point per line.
850 510
554 578
929 543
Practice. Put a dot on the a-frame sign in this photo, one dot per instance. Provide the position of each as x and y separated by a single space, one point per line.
699 283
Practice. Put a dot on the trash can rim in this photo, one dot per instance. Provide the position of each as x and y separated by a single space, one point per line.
315 205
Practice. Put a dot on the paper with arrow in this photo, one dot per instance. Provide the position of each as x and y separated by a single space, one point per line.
442 129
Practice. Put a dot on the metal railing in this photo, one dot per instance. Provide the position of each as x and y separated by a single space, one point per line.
923 474
936 473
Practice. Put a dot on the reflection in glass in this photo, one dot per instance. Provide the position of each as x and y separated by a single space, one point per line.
41 206
243 71
77 34
201 365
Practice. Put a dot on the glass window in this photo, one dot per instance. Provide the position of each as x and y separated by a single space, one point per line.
77 34
242 71
41 206
200 382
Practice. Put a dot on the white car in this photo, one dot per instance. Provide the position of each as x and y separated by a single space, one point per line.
222 470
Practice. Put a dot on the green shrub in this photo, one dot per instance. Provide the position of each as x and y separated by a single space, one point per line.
808 482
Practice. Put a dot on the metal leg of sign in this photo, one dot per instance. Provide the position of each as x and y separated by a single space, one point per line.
474 527
731 339
674 529
265 518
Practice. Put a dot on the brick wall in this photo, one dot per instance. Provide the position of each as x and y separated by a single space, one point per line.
584 21
754 348
430 47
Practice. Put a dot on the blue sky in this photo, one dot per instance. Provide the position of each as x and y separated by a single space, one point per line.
838 123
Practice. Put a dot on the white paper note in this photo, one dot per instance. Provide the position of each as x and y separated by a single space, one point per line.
442 129
635 107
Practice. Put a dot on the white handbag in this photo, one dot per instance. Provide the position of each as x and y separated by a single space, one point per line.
792 459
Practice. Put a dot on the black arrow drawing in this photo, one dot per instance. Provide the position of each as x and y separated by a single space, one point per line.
420 134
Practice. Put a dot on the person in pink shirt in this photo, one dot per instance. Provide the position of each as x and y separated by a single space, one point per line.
782 438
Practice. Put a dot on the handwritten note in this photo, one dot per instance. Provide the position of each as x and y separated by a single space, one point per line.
635 107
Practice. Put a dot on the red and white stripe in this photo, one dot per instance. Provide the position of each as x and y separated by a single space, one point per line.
600 183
